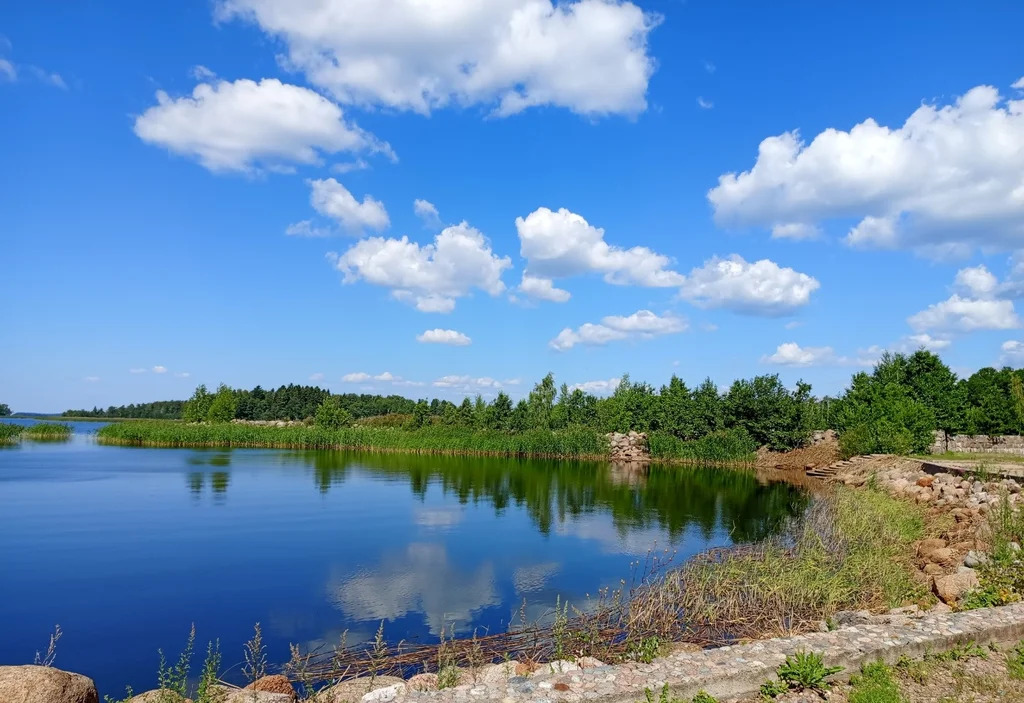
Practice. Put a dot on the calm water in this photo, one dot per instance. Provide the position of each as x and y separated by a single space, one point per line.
125 547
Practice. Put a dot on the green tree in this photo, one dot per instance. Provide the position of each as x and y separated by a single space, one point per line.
197 407
989 402
5 410
499 413
520 419
420 415
676 409
933 384
330 415
223 405
1017 391
540 403
772 415
466 413
708 415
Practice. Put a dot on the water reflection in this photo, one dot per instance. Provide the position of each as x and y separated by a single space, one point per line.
419 579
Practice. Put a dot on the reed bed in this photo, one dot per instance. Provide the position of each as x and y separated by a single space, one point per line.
851 550
48 431
576 442
9 434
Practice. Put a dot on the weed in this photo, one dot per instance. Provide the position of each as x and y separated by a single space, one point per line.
44 431
447 665
914 669
175 678
772 689
559 628
665 697
9 434
806 671
704 697
875 684
255 666
646 650
51 650
1015 662
378 655
959 652
299 667
129 694
206 691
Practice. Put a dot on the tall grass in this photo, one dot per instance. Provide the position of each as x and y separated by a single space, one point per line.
576 442
583 443
48 431
9 434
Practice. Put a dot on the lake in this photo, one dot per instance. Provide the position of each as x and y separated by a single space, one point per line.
126 547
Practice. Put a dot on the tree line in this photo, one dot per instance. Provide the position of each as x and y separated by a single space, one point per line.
893 408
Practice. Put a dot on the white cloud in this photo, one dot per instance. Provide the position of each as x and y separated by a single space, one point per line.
202 73
316 377
976 281
915 341
384 377
332 199
358 377
248 126
1018 84
426 211
440 336
643 324
306 228
597 387
543 289
792 354
136 371
8 71
795 230
561 244
966 315
159 369
91 379
759 288
350 166
47 77
387 376
468 384
709 67
1013 351
793 324
946 181
704 104
182 374
431 276
589 56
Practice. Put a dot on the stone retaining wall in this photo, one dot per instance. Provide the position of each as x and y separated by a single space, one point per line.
977 444
736 671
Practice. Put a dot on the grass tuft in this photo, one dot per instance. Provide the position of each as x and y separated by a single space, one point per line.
48 431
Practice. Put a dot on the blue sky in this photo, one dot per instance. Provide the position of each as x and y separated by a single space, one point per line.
219 191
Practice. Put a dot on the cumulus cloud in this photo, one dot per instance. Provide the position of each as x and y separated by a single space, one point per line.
792 354
561 244
7 71
589 56
603 387
249 126
543 289
316 376
384 377
426 211
357 377
440 336
704 104
159 369
470 384
182 374
1013 349
976 281
758 288
202 73
332 199
914 342
966 315
12 73
643 324
946 181
430 276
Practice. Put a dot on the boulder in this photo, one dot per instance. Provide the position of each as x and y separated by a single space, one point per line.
229 694
354 690
44 684
158 696
943 557
497 673
276 683
423 682
953 587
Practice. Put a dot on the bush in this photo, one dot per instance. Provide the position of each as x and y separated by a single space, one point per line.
807 671
330 415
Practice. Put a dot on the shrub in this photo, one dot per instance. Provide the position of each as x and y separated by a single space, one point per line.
330 415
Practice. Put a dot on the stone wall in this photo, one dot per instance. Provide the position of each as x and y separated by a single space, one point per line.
977 444
629 448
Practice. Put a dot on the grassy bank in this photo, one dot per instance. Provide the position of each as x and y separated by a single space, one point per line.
9 433
47 431
582 443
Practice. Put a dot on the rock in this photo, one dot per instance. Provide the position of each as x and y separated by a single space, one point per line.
229 694
1014 547
926 481
422 682
906 610
385 694
276 683
559 666
44 684
158 696
589 662
497 673
933 569
525 668
928 545
851 617
975 559
353 690
944 556
953 587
